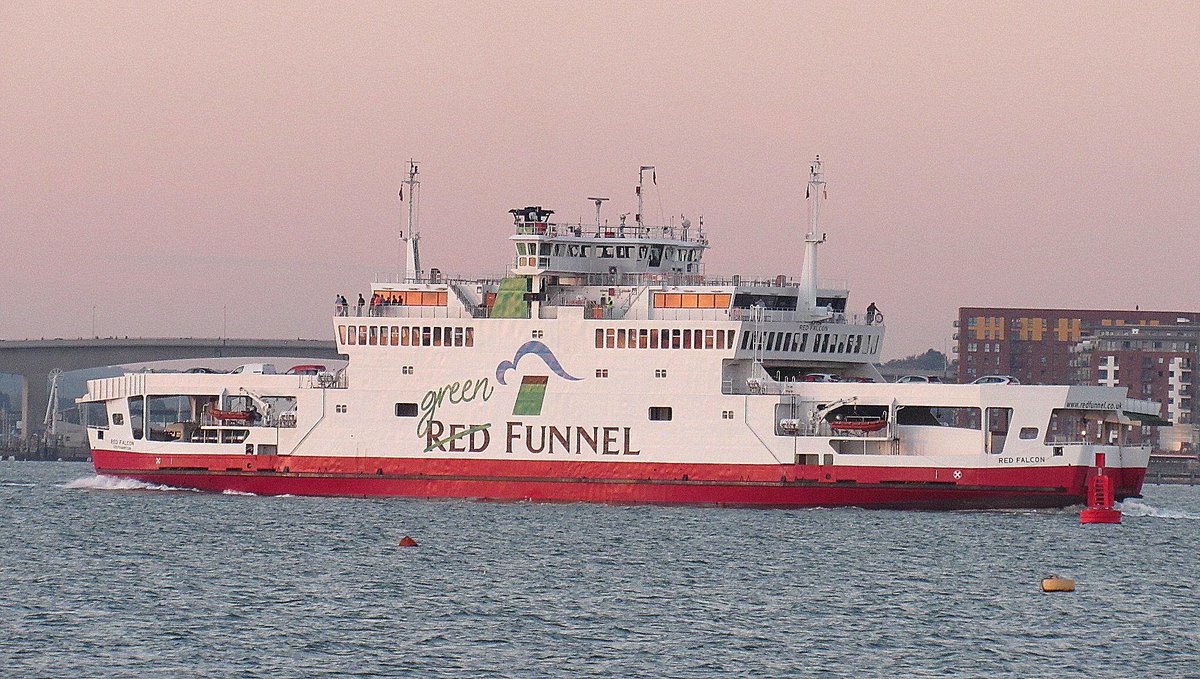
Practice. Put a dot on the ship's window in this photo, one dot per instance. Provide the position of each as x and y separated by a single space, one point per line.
708 339
545 249
937 416
469 337
1029 433
362 334
653 338
726 414
660 373
643 338
537 334
599 338
268 449
664 341
406 410
353 335
437 337
623 251
610 338
458 337
697 339
687 339
137 408
342 334
642 252
374 336
688 301
585 251
339 408
675 341
572 250
406 370
118 419
426 336
729 340
660 413
621 338
94 414
720 339
605 251
601 372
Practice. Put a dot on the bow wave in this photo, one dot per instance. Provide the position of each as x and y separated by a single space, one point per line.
537 349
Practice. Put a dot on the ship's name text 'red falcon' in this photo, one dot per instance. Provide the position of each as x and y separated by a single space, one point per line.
529 438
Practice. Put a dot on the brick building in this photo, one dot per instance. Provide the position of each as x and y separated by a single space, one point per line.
1151 353
1034 345
1154 363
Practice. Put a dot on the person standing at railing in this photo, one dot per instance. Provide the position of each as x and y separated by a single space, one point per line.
872 311
361 303
339 305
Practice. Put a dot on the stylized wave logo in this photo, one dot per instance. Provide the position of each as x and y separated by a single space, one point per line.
537 349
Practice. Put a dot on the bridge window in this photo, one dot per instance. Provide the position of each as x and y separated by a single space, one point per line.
691 300
414 297
137 410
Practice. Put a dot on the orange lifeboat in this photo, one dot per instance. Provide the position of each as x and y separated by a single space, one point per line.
861 424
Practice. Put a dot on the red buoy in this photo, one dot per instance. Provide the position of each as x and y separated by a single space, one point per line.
1100 498
407 542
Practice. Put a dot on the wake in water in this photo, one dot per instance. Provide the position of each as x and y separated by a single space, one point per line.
99 482
1136 508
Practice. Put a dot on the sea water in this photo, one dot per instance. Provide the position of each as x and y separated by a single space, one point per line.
109 578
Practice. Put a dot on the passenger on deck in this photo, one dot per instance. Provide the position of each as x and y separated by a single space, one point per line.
339 306
872 311
361 303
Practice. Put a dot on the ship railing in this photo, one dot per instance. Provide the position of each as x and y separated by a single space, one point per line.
285 420
787 316
580 230
325 380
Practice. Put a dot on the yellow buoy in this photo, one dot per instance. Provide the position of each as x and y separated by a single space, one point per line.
1057 584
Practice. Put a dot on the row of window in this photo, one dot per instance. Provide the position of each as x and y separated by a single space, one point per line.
655 413
822 342
987 347
407 336
654 253
663 338
692 300
414 297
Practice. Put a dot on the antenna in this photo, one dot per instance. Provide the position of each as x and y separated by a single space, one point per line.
641 178
598 202
411 241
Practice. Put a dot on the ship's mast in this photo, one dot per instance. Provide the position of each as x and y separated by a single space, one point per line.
815 194
641 179
411 237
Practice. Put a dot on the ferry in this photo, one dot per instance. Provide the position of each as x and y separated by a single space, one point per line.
607 366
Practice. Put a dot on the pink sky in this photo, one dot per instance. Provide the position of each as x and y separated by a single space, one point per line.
161 161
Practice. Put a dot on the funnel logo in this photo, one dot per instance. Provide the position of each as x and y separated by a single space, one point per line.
533 387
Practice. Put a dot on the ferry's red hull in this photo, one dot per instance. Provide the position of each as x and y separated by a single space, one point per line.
621 482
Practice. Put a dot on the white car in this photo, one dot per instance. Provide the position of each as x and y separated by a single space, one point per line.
919 379
997 379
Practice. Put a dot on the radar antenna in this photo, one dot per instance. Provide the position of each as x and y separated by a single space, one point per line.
598 202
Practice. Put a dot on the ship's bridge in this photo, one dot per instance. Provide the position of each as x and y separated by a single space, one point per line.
544 247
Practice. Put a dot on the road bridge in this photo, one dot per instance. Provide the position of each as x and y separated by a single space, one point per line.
33 360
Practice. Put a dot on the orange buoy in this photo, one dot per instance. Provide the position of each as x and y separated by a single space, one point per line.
407 542
1057 584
